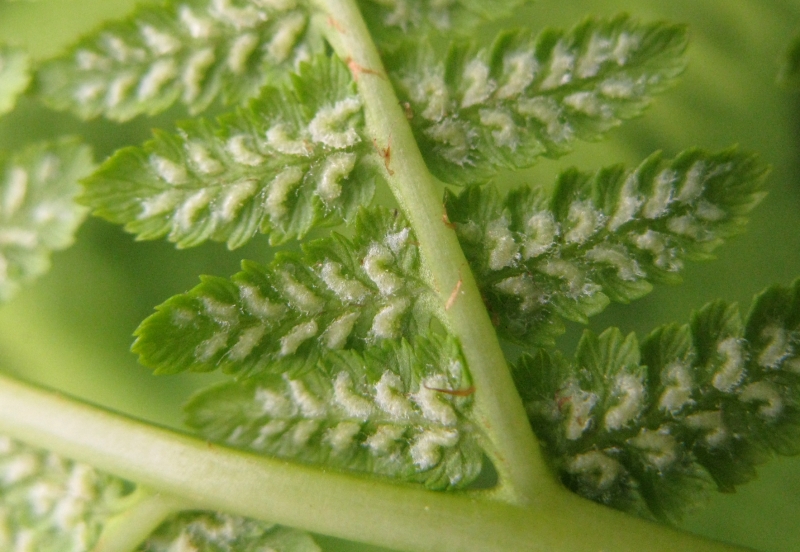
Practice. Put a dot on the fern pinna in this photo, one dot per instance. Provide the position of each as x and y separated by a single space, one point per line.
407 343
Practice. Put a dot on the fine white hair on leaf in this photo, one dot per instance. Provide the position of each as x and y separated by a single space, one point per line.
386 323
120 50
619 88
693 184
302 432
390 398
237 147
332 125
240 18
42 497
169 171
19 468
547 111
198 27
505 134
479 85
336 334
240 52
278 139
87 60
519 69
195 71
661 194
398 240
562 62
626 44
267 431
598 51
764 392
345 396
297 336
247 342
161 43
119 88
504 250
659 447
685 225
580 404
630 389
732 370
375 262
524 288
207 349
711 422
777 348
566 271
15 190
161 203
627 267
223 314
336 168
162 72
89 91
341 436
426 450
202 160
279 190
274 404
235 198
299 295
384 440
628 204
191 208
453 137
431 90
584 222
707 211
678 386
258 305
541 231
347 290
277 5
589 104
17 237
435 408
309 404
284 39
82 482
596 467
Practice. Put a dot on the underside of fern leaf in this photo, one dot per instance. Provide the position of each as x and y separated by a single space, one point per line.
645 429
476 113
295 158
599 237
38 213
14 76
192 52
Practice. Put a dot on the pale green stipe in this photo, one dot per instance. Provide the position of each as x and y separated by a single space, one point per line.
356 508
499 410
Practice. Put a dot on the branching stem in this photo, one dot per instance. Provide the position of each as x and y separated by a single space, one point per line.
524 476
352 507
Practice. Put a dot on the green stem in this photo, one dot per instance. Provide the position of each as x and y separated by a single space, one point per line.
351 507
513 447
126 531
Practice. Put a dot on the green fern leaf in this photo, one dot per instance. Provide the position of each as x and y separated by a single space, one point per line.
38 213
701 408
297 157
49 504
396 21
192 51
477 113
215 532
14 76
389 411
600 237
339 294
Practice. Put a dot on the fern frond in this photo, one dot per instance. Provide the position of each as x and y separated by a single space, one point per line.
192 51
338 294
396 21
49 503
477 113
14 75
646 429
297 157
600 237
38 212
216 532
393 410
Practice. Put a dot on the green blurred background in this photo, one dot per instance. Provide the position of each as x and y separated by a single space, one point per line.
71 330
